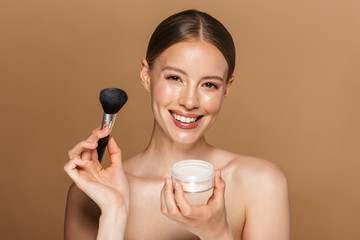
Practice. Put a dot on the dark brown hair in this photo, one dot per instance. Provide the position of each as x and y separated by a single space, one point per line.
191 24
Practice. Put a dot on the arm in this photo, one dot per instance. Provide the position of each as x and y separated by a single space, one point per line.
267 211
84 220
112 223
81 216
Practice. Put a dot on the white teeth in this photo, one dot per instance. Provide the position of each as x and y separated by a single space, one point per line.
183 119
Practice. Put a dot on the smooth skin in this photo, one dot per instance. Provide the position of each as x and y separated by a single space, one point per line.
137 199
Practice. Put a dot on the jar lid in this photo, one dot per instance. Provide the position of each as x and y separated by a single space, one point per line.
192 171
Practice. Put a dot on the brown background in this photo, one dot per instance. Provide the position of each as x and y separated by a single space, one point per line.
295 100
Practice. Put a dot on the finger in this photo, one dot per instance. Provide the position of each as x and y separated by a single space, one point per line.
88 154
115 153
219 190
96 129
171 206
96 135
163 202
94 166
78 168
81 147
71 168
186 209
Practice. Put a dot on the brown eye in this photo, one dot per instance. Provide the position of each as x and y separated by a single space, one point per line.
174 78
210 85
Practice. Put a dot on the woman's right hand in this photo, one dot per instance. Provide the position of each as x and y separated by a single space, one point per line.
108 188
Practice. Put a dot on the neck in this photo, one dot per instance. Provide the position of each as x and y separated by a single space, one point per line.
162 152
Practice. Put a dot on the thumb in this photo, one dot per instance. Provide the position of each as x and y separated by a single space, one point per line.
219 189
115 153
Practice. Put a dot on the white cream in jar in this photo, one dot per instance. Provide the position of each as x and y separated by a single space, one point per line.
196 178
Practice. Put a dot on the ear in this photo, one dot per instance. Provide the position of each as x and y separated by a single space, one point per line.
145 74
228 85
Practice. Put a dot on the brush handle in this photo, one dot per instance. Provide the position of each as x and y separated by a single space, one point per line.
102 143
107 122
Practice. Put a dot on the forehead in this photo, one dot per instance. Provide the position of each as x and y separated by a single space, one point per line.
194 57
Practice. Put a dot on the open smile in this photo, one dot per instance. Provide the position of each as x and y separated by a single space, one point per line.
185 120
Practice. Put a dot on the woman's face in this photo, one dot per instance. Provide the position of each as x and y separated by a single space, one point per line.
187 85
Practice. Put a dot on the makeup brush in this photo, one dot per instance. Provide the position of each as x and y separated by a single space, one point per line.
112 100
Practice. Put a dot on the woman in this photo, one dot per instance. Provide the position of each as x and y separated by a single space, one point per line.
188 71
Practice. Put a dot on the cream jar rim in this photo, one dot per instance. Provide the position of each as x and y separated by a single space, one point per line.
193 178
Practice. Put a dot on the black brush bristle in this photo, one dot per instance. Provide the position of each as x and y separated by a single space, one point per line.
112 99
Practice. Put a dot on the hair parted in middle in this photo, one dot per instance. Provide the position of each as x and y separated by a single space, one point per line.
190 24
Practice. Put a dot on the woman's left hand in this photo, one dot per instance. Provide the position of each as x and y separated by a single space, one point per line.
207 221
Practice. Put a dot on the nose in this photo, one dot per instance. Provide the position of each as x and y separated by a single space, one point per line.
189 97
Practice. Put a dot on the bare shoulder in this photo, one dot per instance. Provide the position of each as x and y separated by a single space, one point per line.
260 188
81 215
252 173
77 197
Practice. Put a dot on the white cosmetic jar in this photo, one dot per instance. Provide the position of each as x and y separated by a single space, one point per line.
196 178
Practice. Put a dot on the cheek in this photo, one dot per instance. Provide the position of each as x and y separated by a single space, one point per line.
212 102
162 93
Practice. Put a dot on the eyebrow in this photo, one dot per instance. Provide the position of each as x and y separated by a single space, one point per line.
174 69
214 77
183 72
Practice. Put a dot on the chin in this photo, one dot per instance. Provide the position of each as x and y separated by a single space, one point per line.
186 138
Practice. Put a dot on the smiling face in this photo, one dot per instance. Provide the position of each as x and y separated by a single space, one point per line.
187 84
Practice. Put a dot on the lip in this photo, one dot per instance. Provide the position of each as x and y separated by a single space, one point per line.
182 125
185 114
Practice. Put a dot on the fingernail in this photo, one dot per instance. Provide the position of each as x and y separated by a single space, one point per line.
176 185
167 181
92 141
